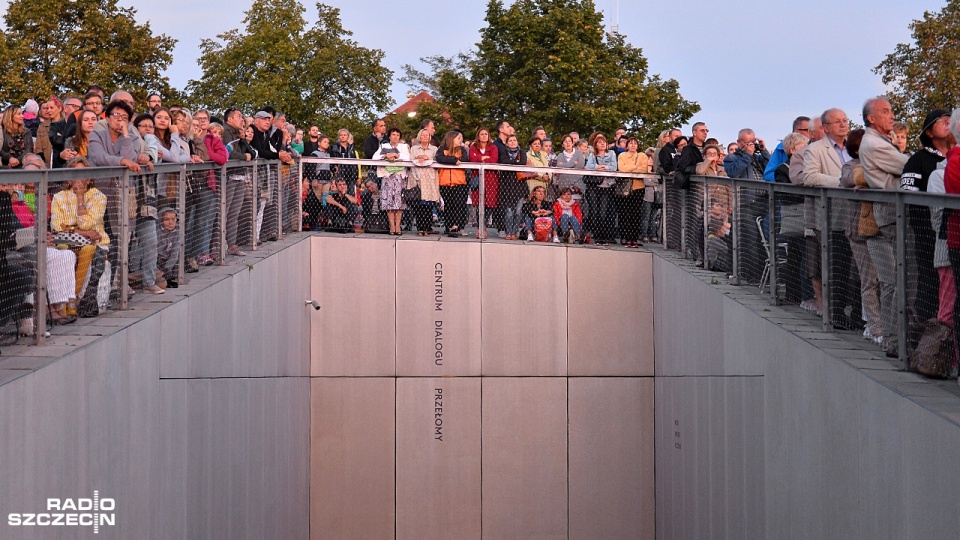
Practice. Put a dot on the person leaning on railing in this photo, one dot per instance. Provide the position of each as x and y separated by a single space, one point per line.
628 209
513 186
453 183
601 214
422 154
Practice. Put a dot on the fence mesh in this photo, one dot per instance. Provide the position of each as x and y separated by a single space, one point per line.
18 261
751 225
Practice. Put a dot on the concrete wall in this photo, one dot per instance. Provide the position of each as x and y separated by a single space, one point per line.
232 411
195 419
768 433
488 391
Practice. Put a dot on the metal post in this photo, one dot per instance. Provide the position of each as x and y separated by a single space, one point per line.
254 232
182 216
663 213
124 244
279 200
683 223
481 208
40 296
705 204
735 230
772 241
902 321
823 224
222 254
300 199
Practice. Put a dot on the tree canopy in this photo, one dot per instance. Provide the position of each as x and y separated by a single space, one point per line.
550 63
61 46
314 75
925 74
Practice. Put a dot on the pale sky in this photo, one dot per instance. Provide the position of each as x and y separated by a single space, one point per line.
748 64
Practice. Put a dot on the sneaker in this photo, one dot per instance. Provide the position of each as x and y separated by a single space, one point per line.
571 237
867 334
205 260
809 305
529 237
191 266
555 239
502 234
153 289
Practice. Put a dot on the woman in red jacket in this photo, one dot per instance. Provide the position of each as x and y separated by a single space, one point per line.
484 151
568 216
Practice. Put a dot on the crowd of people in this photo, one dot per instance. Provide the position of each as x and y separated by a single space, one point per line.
414 182
861 236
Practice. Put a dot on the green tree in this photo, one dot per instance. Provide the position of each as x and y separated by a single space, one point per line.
925 74
60 46
315 76
550 63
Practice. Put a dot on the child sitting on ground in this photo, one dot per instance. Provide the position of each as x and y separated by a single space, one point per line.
568 216
168 249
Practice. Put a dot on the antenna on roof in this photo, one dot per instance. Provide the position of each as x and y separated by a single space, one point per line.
615 27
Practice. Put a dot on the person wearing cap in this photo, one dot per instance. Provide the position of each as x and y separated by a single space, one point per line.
935 141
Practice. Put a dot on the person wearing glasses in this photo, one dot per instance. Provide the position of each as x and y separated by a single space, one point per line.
802 125
94 102
153 103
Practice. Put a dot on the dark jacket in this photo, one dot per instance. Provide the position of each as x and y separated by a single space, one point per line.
511 189
261 143
371 144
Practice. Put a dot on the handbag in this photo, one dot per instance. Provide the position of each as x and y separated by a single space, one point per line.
70 239
623 187
867 225
410 196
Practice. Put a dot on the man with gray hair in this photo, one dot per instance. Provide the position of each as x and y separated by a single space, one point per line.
748 163
822 164
882 165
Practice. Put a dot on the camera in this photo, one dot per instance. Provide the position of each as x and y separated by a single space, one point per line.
314 303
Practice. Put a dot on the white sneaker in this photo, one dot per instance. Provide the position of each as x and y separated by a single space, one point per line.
502 234
809 305
555 239
867 334
529 237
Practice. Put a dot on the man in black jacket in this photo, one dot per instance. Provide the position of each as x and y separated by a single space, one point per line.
373 141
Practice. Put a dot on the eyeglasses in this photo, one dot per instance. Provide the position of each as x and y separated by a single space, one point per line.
202 118
145 126
93 102
118 116
74 105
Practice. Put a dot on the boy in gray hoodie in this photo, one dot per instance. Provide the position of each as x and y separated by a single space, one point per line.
168 248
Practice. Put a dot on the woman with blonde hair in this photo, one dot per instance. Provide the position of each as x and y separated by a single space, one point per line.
422 154
17 139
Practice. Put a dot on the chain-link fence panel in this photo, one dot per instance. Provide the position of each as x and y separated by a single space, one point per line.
789 230
716 213
290 189
202 212
237 225
752 226
675 203
22 235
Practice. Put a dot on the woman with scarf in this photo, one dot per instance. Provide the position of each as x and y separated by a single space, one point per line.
513 188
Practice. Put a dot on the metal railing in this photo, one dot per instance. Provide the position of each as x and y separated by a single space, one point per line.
180 184
759 249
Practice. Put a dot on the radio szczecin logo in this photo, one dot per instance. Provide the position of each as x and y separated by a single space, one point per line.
82 512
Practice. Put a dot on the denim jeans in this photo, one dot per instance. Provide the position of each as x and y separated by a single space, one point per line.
569 222
144 258
200 219
511 219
